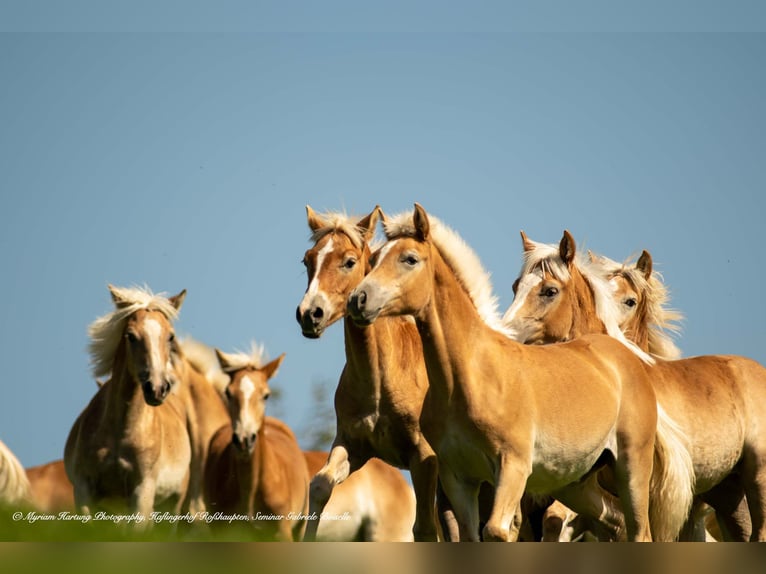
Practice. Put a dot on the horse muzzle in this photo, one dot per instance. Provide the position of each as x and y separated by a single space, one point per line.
359 310
244 443
154 395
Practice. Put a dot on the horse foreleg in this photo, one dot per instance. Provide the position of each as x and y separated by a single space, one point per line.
504 522
464 499
336 470
423 470
143 501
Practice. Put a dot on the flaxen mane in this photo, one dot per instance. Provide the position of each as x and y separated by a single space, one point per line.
462 260
15 489
546 258
105 332
341 222
662 321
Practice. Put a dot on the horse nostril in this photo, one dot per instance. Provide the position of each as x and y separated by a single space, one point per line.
146 385
165 388
298 314
235 440
361 299
317 313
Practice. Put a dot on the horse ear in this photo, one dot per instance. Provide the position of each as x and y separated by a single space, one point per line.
223 360
117 298
644 264
526 242
422 225
270 369
567 248
177 300
315 221
367 224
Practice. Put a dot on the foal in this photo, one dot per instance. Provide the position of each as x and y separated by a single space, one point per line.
255 466
381 389
716 400
129 449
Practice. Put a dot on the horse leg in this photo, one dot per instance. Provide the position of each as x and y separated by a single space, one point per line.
446 514
595 506
731 509
463 498
143 501
754 479
336 470
503 524
423 470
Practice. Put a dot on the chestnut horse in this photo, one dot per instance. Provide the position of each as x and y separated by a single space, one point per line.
381 389
52 491
129 448
255 466
716 400
723 394
519 417
374 504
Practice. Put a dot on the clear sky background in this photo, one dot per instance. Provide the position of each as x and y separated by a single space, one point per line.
131 155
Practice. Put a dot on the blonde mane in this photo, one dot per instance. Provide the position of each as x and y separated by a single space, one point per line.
255 358
105 332
546 258
202 358
340 222
461 259
663 321
14 484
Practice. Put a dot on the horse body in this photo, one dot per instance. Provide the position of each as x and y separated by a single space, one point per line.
254 464
721 400
129 448
374 504
717 401
380 393
497 410
52 491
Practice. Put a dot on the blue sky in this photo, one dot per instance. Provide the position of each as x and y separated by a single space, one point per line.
186 160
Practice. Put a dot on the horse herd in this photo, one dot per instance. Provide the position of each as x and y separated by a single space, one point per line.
571 416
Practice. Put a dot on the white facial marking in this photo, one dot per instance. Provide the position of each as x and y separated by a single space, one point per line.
153 333
384 251
246 389
529 282
314 285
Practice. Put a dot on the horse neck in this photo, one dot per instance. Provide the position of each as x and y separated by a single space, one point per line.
445 326
585 319
365 346
250 470
637 330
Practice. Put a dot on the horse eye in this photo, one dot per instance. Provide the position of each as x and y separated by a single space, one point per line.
349 263
227 392
631 302
305 261
515 286
266 396
131 337
551 292
410 260
171 337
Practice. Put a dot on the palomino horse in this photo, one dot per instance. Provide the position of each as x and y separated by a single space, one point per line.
255 466
516 416
52 491
15 490
374 504
717 401
129 448
641 298
381 389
